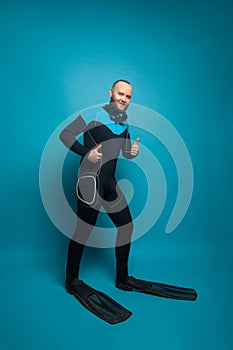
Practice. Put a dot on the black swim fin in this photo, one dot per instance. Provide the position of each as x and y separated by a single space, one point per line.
158 289
98 303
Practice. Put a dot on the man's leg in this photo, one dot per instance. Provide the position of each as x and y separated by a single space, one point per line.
87 217
123 221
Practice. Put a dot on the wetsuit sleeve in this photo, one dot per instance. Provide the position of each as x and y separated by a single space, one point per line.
69 134
127 147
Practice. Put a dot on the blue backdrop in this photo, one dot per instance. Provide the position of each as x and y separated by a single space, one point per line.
59 57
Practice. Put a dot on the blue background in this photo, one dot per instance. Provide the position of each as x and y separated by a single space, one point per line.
59 57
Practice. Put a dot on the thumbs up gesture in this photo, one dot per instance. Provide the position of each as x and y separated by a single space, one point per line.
95 155
134 148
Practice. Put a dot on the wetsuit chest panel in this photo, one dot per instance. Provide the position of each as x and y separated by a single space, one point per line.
98 133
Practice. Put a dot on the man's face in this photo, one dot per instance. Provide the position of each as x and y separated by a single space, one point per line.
121 95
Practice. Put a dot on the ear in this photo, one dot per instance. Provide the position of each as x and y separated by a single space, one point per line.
110 92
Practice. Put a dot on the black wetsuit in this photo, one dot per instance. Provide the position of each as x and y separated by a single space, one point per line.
97 184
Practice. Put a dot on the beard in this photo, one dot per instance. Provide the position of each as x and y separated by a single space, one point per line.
119 106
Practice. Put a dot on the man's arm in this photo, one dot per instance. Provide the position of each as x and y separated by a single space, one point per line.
69 134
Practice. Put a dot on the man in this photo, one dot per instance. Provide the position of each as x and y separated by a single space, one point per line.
106 134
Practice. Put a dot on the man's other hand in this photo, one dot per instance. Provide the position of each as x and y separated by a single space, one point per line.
135 149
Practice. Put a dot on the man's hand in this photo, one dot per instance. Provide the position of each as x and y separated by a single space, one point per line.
95 155
135 149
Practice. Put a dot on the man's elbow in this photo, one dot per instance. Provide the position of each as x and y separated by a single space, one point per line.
61 136
66 138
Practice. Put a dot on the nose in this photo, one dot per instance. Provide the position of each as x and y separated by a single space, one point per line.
123 98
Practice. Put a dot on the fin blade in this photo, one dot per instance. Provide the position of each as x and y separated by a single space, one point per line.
159 289
102 305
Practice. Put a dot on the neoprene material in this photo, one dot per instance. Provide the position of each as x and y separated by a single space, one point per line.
96 184
98 303
157 289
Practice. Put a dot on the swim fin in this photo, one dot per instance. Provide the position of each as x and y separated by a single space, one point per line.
98 303
158 289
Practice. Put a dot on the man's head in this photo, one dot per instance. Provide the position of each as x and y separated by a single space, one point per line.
120 94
